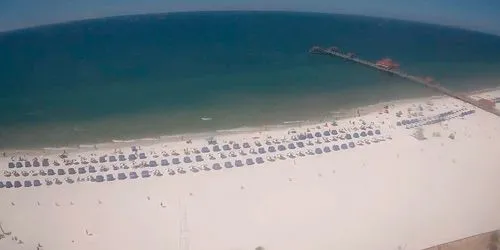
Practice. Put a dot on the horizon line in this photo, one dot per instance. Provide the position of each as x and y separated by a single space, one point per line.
68 22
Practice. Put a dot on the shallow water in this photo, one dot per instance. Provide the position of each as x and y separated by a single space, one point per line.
144 76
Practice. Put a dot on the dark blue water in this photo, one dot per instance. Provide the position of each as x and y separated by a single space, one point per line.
129 77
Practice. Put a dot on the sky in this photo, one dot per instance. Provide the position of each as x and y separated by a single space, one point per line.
480 15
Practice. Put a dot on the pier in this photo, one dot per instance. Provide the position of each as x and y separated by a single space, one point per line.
387 65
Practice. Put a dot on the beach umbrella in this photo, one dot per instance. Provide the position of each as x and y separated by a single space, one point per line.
336 148
226 147
112 158
302 137
81 170
291 146
318 151
142 156
45 162
216 166
71 171
271 149
238 163
228 164
404 122
370 133
153 163
92 169
236 146
122 176
205 150
37 183
8 184
171 172
281 148
164 162
102 159
259 160
122 158
327 149
145 174
351 144
343 146
216 148
398 123
317 134
249 161
17 184
334 132
19 164
194 169
176 161
363 134
326 133
309 136
246 145
262 150
12 165
51 172
99 178
198 158
132 157
300 144
2 185
222 155
110 177
27 164
133 148
181 170
348 136
355 135
377 132
61 172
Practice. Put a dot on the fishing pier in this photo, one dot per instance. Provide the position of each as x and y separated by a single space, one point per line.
391 67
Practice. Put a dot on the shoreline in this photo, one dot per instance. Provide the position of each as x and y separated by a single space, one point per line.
334 115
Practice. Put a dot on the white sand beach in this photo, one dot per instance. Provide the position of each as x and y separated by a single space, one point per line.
379 186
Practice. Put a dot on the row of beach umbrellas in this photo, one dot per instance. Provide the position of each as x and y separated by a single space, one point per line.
148 173
215 148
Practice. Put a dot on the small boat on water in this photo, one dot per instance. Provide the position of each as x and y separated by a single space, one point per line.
206 118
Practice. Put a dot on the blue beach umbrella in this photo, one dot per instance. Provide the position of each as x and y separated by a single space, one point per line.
259 160
164 162
133 175
238 163
228 164
37 183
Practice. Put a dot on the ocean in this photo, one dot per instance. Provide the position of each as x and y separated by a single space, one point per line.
129 77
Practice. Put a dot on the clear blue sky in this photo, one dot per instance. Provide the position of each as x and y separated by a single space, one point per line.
482 15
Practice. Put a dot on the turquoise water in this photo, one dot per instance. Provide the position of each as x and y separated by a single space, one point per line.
140 76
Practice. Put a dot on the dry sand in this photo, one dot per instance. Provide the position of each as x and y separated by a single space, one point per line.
401 193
